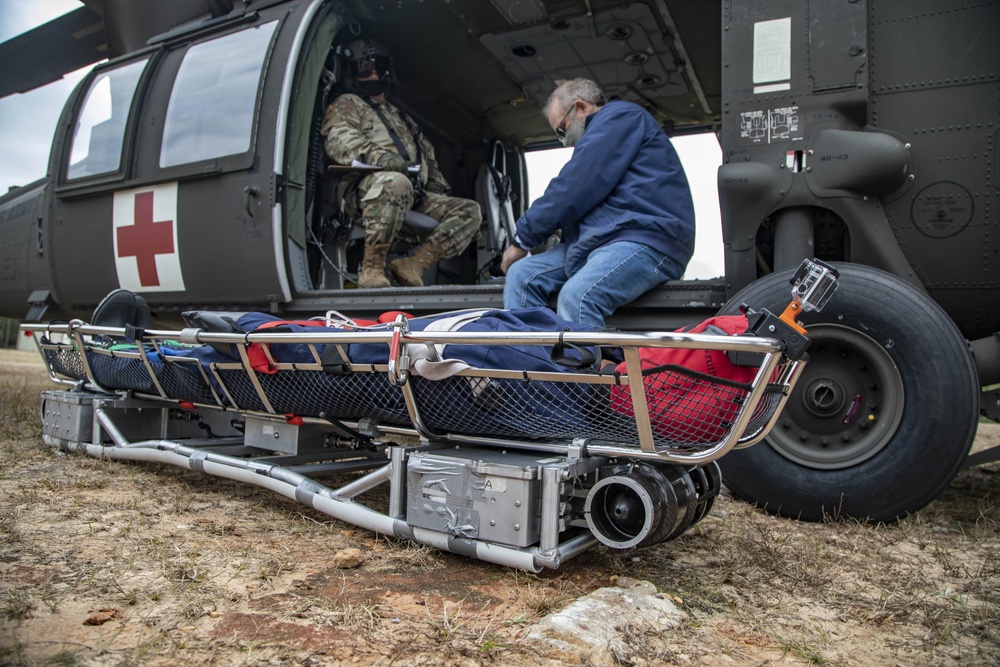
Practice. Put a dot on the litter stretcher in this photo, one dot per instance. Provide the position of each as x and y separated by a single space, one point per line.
508 436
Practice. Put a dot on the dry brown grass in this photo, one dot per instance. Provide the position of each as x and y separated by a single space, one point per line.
205 571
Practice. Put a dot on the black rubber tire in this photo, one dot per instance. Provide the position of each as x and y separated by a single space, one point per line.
880 347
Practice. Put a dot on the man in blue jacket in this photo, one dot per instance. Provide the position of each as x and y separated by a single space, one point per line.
621 205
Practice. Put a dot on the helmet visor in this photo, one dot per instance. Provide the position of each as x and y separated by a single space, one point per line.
363 67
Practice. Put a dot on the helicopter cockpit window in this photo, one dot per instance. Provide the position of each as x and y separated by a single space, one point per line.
211 109
100 125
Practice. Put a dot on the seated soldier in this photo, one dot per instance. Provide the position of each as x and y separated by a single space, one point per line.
363 125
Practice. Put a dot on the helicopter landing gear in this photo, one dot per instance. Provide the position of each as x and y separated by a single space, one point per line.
881 419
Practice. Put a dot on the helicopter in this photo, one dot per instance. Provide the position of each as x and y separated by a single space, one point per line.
188 168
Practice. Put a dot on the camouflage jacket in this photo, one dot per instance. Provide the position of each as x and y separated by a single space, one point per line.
353 131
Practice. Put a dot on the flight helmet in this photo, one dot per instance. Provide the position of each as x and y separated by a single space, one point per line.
363 56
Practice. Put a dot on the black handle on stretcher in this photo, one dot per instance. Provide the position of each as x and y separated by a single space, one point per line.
764 323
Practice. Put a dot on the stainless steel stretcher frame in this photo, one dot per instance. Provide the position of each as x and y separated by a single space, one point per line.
525 469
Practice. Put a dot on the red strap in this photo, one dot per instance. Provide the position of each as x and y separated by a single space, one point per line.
258 359
294 420
391 315
281 323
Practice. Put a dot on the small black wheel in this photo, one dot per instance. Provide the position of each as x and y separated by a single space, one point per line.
883 415
633 505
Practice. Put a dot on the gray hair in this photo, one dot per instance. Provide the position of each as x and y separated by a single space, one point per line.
567 92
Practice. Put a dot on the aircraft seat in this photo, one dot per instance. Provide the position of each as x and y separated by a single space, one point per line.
122 308
495 197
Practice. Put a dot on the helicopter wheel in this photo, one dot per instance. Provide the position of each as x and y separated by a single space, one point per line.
883 415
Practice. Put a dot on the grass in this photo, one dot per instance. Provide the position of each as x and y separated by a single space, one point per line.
186 556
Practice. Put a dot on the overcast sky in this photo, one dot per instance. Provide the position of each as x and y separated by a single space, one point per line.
27 123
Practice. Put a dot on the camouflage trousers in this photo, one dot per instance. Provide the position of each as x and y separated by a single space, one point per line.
386 196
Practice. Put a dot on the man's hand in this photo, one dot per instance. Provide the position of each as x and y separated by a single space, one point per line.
393 162
511 255
437 188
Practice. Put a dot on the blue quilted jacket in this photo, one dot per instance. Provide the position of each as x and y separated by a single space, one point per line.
623 183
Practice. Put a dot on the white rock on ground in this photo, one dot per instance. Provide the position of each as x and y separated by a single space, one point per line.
602 628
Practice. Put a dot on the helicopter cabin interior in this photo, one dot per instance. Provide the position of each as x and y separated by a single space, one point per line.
479 95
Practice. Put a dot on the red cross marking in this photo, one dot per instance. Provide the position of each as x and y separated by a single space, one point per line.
146 239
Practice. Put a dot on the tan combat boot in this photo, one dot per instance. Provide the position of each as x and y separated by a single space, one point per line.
372 273
409 270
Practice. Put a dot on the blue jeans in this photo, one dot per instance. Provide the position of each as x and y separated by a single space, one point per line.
613 275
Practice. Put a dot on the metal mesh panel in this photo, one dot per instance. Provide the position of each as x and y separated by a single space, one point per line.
686 410
312 393
765 408
65 361
121 372
238 383
183 382
520 409
115 372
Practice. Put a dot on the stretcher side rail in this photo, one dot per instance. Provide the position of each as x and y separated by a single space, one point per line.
607 414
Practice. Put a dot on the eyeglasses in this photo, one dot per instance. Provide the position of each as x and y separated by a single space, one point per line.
560 130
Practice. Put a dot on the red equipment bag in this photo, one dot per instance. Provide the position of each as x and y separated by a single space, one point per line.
693 395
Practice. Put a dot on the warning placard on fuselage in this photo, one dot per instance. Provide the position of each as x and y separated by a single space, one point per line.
768 126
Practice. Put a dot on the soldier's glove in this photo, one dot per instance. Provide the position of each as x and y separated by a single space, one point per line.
392 162
437 188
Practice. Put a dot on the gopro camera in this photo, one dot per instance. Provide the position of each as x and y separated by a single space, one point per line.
813 284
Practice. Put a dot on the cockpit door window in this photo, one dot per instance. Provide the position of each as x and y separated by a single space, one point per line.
211 109
102 121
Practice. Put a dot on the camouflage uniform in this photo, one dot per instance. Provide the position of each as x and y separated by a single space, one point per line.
353 131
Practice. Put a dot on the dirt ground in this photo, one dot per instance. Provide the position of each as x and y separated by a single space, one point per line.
106 563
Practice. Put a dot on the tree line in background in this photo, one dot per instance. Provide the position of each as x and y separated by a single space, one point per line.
8 332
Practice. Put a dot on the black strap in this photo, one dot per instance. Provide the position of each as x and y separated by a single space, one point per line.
400 148
419 194
559 356
345 431
501 182
135 333
333 363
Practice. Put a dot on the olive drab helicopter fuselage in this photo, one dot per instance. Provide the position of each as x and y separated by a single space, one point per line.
189 168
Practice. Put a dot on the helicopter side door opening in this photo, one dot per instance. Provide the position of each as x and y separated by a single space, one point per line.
325 236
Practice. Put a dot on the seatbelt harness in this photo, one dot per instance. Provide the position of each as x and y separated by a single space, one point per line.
418 186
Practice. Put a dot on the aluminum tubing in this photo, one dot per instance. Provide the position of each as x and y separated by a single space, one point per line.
166 452
491 553
345 510
359 515
363 484
568 549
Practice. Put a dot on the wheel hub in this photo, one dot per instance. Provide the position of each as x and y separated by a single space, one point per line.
846 406
824 397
